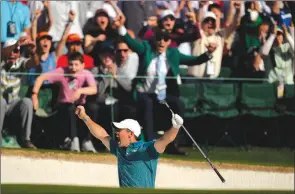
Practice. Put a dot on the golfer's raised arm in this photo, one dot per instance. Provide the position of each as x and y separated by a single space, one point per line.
170 135
95 129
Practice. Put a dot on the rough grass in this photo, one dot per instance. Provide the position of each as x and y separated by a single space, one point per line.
257 158
46 189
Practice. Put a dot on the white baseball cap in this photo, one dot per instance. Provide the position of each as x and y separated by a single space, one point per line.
166 13
130 124
9 42
110 11
210 14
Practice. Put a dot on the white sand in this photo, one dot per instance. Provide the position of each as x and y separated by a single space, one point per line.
25 170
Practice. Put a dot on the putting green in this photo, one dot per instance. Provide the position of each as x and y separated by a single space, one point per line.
42 189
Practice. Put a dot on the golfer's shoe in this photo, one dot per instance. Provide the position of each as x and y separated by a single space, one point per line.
87 146
75 145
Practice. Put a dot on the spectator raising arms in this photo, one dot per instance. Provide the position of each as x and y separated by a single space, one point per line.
212 35
73 43
158 60
282 53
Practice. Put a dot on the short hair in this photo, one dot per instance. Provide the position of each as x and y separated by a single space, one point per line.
214 5
120 40
161 33
76 56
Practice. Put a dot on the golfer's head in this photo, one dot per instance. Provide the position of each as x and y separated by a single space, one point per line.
127 131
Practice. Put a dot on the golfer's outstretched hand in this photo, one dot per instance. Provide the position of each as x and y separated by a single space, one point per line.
80 112
177 121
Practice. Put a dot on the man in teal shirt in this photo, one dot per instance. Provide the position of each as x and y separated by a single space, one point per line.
137 160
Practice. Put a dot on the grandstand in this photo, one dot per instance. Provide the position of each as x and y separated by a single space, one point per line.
226 67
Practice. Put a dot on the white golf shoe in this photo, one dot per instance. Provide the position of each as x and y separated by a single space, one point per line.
87 146
75 145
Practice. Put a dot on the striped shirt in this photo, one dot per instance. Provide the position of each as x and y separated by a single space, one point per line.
10 80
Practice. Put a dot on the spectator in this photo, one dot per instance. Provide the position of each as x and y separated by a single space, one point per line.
178 34
73 91
90 7
282 54
127 67
102 105
45 18
253 33
45 50
15 19
280 14
211 35
73 43
158 60
60 11
12 107
98 33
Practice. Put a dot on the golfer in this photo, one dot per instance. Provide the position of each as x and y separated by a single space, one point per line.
137 160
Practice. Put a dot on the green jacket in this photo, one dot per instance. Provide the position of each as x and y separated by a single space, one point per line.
147 53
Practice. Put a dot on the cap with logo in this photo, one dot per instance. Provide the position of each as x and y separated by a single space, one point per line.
74 38
44 34
130 124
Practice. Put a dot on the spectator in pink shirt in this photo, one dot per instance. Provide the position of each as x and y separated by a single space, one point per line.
75 84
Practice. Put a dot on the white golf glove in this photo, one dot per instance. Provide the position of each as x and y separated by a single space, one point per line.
177 121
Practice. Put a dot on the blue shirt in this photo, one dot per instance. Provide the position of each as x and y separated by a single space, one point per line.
17 13
137 164
47 65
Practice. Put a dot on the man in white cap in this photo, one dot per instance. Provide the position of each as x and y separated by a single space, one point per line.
212 35
137 160
12 107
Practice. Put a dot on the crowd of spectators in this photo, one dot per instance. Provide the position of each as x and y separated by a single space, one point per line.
113 57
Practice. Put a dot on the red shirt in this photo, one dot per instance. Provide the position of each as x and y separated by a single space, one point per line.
24 2
63 61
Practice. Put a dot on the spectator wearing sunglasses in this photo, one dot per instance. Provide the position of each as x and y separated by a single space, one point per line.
12 106
157 59
127 67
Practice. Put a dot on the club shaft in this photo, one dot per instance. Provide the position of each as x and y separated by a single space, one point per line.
195 143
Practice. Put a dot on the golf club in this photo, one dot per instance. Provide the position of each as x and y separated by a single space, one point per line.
208 160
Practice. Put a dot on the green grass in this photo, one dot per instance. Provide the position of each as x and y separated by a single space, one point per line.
256 156
46 189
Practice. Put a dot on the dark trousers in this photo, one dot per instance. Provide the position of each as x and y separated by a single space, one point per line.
68 120
153 115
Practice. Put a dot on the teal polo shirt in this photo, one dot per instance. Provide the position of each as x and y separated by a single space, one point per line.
137 164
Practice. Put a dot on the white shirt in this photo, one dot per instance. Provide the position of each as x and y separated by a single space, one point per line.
128 71
151 81
199 47
60 13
